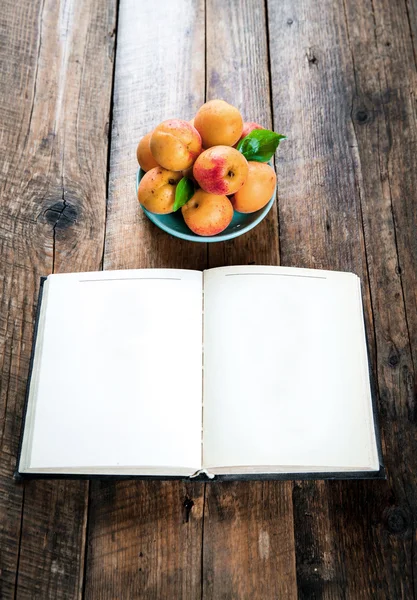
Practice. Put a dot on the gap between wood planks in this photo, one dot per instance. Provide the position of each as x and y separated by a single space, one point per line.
109 136
271 103
19 544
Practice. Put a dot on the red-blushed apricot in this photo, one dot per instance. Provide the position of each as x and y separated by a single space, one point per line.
219 124
144 154
175 144
156 190
257 189
207 214
221 170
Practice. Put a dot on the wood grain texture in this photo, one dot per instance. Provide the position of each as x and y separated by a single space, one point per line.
51 560
144 538
248 526
55 100
337 210
249 541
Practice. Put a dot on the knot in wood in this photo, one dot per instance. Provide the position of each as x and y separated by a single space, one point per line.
311 57
396 521
61 215
187 506
393 358
362 116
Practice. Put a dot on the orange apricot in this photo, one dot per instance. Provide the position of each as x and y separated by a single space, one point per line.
207 214
144 154
157 188
218 123
257 190
175 144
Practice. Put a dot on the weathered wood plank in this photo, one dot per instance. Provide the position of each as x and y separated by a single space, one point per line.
159 75
51 561
248 538
395 81
248 527
385 126
144 538
354 540
55 99
319 215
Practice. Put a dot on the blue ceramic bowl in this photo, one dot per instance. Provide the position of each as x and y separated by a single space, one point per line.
175 225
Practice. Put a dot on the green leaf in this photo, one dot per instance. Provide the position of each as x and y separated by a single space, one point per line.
260 145
184 191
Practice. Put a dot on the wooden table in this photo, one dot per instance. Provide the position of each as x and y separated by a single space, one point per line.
81 82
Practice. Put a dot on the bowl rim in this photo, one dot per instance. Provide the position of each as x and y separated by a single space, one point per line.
220 237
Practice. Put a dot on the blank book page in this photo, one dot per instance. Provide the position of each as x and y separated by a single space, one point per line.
285 371
112 389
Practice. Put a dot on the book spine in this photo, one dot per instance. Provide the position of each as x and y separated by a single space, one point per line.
17 476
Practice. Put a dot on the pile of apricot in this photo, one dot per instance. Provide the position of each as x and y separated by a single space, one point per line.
204 151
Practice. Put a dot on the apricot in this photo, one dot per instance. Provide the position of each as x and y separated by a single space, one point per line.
175 144
156 190
257 189
219 124
249 126
144 155
221 170
207 214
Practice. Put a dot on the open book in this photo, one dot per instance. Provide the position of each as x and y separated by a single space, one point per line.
258 371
